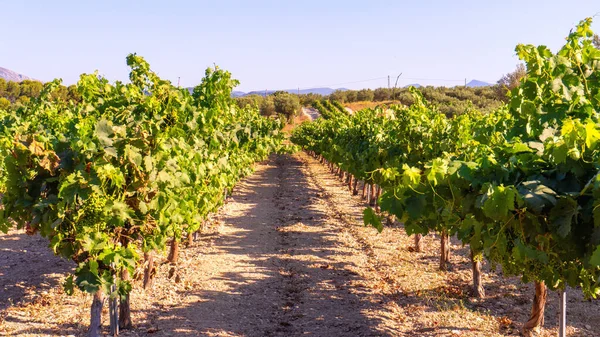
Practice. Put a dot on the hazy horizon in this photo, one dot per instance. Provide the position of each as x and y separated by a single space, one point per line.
276 45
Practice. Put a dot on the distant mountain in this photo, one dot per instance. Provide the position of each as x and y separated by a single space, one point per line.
10 75
416 85
476 83
256 92
318 91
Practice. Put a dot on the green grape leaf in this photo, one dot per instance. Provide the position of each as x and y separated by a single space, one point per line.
499 201
563 214
87 278
120 212
133 154
415 206
371 218
437 171
592 135
391 204
104 132
537 196
72 187
410 175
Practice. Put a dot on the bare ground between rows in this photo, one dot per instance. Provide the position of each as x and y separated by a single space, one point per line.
434 303
274 263
287 256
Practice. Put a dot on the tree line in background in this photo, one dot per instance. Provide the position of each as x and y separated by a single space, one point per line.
449 100
14 94
279 103
520 184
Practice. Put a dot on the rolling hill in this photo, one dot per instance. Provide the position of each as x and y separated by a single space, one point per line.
477 83
10 75
318 91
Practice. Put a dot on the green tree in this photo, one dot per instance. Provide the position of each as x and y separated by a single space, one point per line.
73 94
13 91
253 101
23 100
267 107
382 94
309 99
351 96
2 87
365 95
286 104
31 88
339 96
513 79
60 94
4 103
405 98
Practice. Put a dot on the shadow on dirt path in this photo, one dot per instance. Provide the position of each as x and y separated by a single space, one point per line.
278 268
27 267
287 256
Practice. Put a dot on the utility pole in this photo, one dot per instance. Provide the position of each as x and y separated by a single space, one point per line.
178 80
395 85
298 91
465 82
388 81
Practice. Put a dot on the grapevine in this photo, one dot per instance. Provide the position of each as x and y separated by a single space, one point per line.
520 185
116 175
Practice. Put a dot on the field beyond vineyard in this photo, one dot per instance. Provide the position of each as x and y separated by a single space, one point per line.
288 255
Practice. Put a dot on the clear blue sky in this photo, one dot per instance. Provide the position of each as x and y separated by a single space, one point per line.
283 44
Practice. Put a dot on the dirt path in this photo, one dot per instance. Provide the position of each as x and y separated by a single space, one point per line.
278 268
275 264
427 302
287 256
26 268
312 113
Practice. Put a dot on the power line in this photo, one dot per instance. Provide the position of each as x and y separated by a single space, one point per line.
387 77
